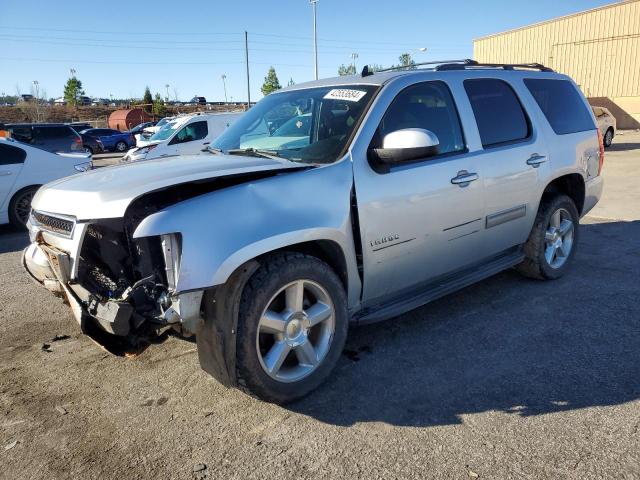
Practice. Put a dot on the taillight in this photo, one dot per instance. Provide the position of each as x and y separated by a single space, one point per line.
601 159
79 140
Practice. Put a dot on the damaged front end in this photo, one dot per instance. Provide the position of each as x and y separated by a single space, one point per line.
122 290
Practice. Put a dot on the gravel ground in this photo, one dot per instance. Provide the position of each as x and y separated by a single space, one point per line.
510 378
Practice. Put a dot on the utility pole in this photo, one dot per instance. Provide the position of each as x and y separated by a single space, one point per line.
246 56
35 85
315 38
167 87
224 84
353 57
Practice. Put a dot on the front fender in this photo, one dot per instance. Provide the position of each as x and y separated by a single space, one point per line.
222 230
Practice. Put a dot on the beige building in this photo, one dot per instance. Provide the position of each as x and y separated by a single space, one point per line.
599 49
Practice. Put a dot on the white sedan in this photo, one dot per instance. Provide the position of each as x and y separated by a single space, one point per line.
23 169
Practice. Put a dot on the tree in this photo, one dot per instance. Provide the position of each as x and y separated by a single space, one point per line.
375 67
73 91
147 99
291 82
271 82
407 61
159 108
346 70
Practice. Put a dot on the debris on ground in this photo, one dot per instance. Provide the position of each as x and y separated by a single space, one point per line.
60 337
61 410
46 348
11 445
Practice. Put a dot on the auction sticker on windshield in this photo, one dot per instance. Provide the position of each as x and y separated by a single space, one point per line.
345 94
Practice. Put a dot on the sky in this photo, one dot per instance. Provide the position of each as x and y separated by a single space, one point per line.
120 47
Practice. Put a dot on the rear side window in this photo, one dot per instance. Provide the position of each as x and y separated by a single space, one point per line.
429 106
499 114
193 131
561 103
22 134
10 155
52 133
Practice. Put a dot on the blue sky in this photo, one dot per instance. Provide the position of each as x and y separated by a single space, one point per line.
120 47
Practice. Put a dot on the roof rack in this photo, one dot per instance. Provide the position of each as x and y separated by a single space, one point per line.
467 63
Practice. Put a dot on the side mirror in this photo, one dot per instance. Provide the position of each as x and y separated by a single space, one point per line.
406 145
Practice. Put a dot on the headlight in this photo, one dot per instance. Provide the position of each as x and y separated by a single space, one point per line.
83 167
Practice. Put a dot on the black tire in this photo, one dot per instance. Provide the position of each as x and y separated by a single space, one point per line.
608 137
88 150
535 264
272 275
20 205
121 147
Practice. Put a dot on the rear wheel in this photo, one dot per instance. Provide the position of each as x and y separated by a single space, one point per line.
608 137
292 326
552 243
88 150
121 146
20 206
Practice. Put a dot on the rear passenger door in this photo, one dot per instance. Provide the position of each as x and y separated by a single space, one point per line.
513 157
11 163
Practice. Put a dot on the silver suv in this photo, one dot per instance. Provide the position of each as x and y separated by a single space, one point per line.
328 204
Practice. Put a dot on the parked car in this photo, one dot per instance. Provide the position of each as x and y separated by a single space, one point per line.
198 100
147 132
184 135
91 145
606 124
410 185
23 169
53 137
112 140
138 131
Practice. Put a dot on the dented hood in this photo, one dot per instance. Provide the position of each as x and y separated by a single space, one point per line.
107 192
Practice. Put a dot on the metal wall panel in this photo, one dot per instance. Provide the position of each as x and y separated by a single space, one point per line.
598 48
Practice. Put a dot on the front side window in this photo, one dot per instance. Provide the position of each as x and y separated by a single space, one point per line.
561 103
193 131
10 155
428 106
311 125
498 112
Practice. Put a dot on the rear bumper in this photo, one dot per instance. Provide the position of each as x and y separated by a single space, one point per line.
592 193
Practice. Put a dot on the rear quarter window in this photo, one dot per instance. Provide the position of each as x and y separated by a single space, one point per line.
498 112
10 155
561 104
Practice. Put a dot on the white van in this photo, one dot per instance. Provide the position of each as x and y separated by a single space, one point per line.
184 135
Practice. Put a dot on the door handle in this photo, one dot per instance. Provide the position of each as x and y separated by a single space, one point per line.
6 173
464 178
206 143
536 160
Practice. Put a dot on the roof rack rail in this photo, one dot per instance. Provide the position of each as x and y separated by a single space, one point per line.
505 66
443 65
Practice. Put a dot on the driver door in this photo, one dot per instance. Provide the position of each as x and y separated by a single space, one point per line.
417 221
191 139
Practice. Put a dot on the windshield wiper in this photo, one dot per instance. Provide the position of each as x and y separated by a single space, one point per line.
254 152
213 150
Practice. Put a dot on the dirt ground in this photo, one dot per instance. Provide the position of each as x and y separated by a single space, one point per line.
509 378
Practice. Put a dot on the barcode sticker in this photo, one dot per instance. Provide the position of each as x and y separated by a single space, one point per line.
345 94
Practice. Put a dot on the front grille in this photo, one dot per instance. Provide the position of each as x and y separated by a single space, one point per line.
53 224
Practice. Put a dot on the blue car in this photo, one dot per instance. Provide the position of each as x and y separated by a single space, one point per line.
112 140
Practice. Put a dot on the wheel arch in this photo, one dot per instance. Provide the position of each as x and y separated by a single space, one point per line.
10 200
572 185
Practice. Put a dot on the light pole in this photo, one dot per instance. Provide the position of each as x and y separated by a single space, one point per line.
315 38
224 84
167 87
35 87
353 58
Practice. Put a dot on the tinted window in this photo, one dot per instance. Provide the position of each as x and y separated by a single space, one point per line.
47 133
428 106
22 134
498 112
10 154
192 132
561 103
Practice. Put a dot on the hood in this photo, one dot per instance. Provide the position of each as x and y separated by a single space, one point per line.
107 192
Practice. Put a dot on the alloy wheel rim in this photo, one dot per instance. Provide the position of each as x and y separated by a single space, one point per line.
23 207
608 137
295 331
121 147
558 238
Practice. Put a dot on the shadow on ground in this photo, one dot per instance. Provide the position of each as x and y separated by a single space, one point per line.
508 344
12 238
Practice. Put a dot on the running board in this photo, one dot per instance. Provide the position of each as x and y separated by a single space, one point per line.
440 287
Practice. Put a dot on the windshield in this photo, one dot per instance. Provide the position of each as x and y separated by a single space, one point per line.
311 125
166 131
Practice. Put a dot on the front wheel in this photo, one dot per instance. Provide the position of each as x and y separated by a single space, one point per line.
121 146
608 137
20 206
292 327
553 239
